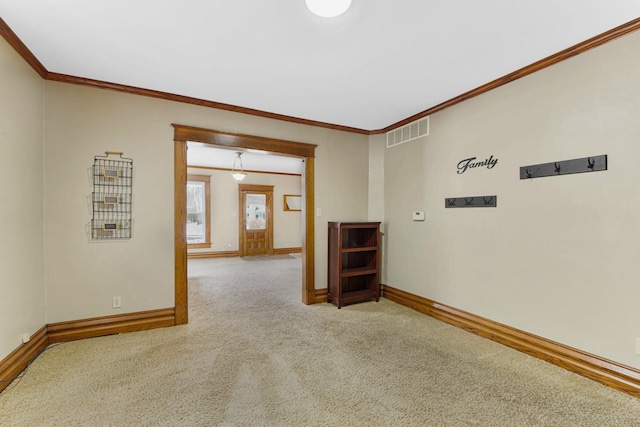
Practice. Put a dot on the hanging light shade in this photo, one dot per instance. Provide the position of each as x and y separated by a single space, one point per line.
238 175
328 8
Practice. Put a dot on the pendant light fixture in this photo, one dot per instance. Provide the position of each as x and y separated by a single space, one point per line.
328 8
238 175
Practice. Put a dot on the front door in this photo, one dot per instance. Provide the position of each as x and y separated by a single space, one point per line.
256 219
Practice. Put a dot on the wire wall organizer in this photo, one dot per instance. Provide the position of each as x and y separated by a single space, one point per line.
111 197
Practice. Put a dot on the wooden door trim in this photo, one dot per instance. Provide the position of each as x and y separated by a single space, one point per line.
254 188
308 236
237 140
180 231
182 134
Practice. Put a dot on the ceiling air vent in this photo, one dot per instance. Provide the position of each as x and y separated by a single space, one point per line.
408 132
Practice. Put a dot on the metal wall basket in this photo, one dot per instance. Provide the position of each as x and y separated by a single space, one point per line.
111 198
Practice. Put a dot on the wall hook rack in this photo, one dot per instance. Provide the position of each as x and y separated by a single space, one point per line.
471 202
565 167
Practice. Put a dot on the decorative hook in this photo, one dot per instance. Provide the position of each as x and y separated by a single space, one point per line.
451 202
487 202
529 173
591 163
468 202
557 167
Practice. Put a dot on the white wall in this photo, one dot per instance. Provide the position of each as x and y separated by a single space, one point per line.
558 257
287 225
22 301
82 122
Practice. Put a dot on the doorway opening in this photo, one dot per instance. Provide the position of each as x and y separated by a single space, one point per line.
183 134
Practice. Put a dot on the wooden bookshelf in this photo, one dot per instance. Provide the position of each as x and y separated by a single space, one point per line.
354 262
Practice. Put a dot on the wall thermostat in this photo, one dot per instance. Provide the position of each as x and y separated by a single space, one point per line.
418 216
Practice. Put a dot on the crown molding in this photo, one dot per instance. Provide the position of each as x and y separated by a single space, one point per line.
22 50
570 52
14 41
64 78
596 41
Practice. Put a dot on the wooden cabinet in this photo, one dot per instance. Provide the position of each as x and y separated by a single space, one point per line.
354 262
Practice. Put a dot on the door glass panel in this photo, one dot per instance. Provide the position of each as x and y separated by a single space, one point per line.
256 211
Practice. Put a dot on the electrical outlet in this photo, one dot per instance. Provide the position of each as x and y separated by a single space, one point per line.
26 338
117 302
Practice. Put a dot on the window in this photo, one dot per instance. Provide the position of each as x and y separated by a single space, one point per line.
198 211
256 211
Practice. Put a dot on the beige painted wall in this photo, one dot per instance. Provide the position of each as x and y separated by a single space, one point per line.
376 177
287 226
22 301
558 257
377 151
82 122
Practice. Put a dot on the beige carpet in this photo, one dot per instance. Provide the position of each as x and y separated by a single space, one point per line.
253 354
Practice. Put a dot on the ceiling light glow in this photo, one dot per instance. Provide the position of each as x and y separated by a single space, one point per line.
328 8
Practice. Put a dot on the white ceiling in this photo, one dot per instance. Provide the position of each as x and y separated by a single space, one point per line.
379 63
